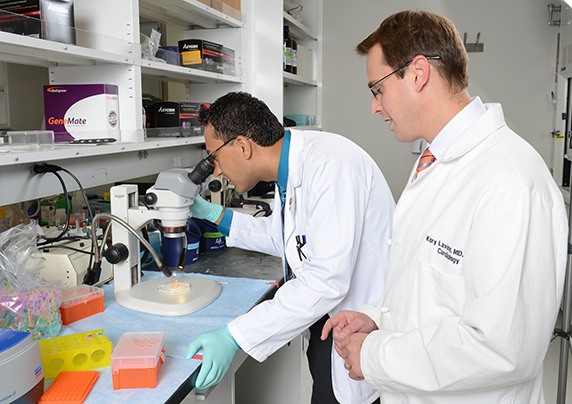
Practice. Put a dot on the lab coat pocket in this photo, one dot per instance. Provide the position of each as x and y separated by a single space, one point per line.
437 294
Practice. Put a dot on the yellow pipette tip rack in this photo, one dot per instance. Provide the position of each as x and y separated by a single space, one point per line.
83 351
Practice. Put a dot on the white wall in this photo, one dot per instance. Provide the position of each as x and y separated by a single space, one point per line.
516 69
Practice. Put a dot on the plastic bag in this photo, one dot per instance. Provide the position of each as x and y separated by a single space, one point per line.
150 45
28 302
293 9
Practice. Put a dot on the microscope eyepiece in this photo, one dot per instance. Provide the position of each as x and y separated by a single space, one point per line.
201 171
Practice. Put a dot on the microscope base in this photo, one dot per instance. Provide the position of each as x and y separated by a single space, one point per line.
175 296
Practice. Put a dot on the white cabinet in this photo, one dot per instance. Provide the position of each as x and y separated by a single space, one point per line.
222 393
283 378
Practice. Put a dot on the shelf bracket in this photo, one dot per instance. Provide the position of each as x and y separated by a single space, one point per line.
474 47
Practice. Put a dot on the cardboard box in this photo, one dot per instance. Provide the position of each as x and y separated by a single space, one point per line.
305 63
207 2
233 3
201 54
228 7
232 11
229 61
218 4
46 19
82 111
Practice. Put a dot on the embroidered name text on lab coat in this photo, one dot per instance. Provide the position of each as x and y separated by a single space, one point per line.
452 254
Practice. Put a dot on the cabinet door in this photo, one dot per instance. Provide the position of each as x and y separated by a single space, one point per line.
283 378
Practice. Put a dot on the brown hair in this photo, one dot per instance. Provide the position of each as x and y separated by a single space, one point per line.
406 34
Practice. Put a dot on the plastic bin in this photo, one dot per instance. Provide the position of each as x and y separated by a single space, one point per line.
80 302
211 238
31 140
137 359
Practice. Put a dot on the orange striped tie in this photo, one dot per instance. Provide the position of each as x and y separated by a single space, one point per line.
427 158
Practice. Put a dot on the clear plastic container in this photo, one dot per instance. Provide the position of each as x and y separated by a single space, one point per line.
31 140
137 359
80 302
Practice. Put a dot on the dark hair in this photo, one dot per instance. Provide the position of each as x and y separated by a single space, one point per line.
240 113
406 34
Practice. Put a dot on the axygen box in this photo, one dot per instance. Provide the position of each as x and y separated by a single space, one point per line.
201 54
46 19
82 111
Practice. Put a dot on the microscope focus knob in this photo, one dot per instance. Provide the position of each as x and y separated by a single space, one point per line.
116 253
149 199
215 186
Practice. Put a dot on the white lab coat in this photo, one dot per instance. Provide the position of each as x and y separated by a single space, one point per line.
338 198
475 276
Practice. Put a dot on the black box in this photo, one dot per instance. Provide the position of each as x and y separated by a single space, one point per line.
189 118
46 19
229 61
201 54
166 115
148 101
181 115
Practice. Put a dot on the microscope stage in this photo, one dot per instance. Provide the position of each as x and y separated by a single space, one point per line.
174 296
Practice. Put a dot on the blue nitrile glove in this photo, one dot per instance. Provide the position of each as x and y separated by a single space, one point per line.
202 209
219 349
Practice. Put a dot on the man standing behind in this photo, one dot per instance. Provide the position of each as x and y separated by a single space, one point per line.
331 225
478 252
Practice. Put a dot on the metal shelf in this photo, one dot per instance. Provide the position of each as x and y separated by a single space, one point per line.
40 52
187 14
93 165
297 29
294 79
68 151
168 72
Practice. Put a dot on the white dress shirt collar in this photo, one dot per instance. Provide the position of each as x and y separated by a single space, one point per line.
456 126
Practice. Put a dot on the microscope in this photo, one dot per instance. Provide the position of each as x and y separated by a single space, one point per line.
167 203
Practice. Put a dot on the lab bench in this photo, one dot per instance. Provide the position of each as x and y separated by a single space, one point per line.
247 278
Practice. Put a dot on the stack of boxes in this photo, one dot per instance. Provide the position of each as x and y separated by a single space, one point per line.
207 55
228 7
201 54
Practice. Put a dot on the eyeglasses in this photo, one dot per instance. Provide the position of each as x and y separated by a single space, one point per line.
376 93
211 157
